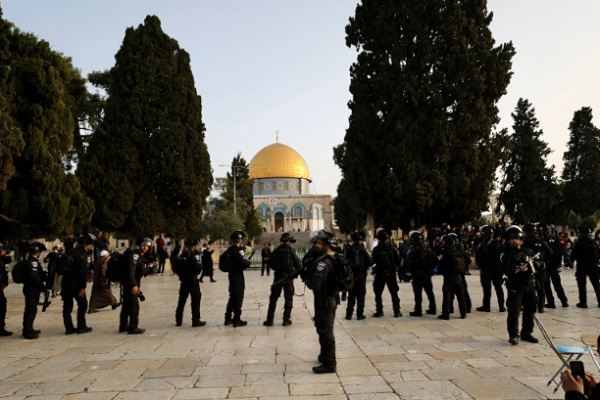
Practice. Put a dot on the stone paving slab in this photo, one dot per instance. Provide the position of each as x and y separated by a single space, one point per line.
378 358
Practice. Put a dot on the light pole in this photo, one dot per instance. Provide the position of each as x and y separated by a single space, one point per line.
233 167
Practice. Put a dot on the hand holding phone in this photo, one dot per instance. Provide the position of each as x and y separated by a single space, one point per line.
577 370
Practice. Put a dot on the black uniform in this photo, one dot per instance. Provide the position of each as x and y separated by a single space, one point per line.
585 252
452 267
321 280
265 253
420 263
356 295
71 286
237 284
538 245
386 259
3 281
521 291
132 276
283 261
207 265
32 287
188 268
554 276
487 256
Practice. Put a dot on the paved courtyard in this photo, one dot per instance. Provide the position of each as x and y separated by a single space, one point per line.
386 358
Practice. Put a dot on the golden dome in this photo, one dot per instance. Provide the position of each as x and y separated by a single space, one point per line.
278 161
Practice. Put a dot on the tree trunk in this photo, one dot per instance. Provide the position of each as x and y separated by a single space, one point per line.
370 230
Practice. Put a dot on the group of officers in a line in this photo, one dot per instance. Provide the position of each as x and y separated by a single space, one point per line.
528 257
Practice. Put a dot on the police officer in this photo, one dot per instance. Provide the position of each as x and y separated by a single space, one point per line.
585 252
521 286
33 285
73 285
487 256
363 261
552 270
284 262
538 245
386 259
452 267
321 280
132 276
265 253
237 283
4 259
188 267
420 262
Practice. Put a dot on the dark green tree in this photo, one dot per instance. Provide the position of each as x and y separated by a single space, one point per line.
425 87
529 191
37 198
347 218
581 172
147 165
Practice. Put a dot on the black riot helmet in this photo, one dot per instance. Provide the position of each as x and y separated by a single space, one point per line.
357 236
37 247
1 247
287 237
382 235
514 231
313 236
543 230
86 239
584 231
529 229
486 230
326 237
450 241
190 242
237 236
415 236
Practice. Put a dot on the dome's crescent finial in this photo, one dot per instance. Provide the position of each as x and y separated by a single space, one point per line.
276 136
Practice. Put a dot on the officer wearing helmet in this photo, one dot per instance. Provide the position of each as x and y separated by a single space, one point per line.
538 245
552 269
33 285
585 252
521 286
361 261
321 280
452 267
310 256
237 283
188 266
74 283
283 261
386 259
4 259
420 262
132 276
487 255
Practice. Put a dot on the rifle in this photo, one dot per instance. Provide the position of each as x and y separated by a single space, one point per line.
253 251
287 277
51 275
528 263
46 302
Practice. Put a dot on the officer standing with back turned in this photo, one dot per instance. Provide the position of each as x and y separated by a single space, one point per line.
32 287
487 256
538 245
283 261
420 262
386 259
363 262
237 284
585 252
188 267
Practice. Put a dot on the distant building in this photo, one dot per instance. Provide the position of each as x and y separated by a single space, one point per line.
282 192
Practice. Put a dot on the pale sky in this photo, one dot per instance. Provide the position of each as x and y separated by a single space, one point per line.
267 65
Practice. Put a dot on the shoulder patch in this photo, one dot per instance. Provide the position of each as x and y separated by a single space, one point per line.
321 266
136 257
34 263
198 257
242 253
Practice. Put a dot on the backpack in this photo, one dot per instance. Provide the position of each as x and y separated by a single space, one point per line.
116 266
182 266
225 263
353 257
65 264
20 271
280 261
458 262
344 276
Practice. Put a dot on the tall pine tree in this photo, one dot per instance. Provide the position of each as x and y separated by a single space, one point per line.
37 197
147 165
425 87
581 172
529 191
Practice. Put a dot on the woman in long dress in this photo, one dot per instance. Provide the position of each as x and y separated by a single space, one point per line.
101 293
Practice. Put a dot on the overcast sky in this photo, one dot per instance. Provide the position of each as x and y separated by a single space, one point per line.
267 65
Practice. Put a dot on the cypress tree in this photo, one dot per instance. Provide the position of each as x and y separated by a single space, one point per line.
147 166
39 199
425 87
529 192
581 172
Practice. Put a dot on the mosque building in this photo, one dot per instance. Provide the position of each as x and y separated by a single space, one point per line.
282 192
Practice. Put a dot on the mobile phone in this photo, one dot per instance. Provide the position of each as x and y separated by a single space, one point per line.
578 370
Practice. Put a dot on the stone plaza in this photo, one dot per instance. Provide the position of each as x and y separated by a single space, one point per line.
378 358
